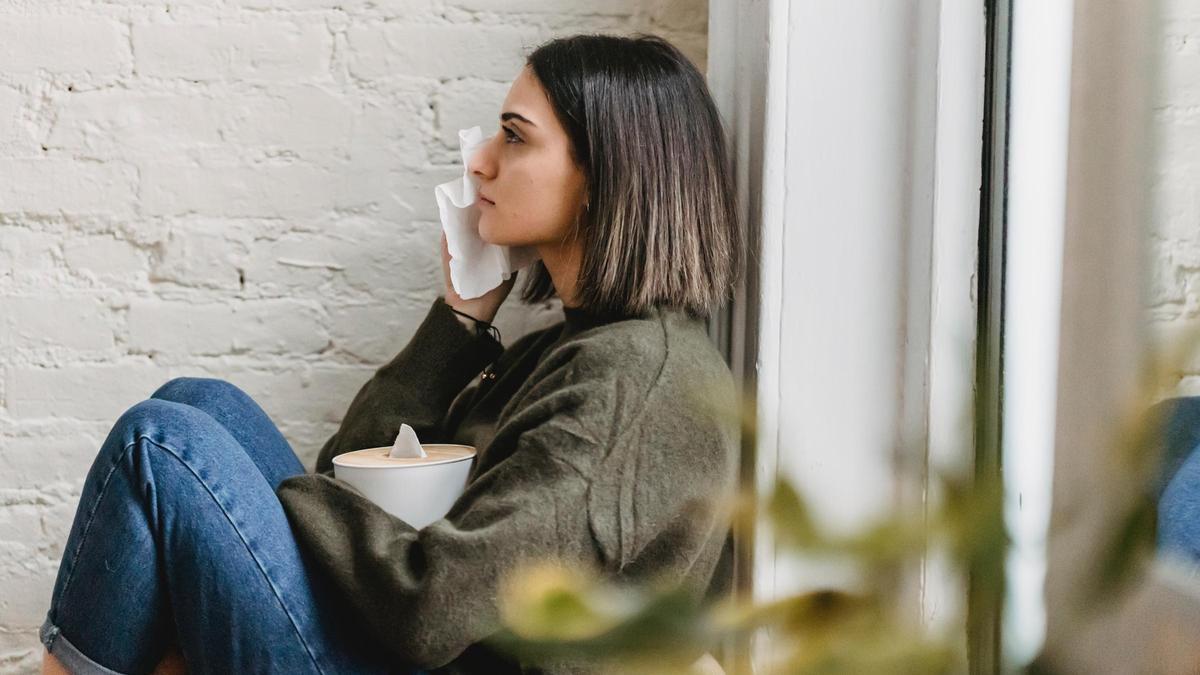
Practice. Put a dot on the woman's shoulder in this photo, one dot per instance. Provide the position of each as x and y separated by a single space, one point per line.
628 340
646 344
662 350
622 361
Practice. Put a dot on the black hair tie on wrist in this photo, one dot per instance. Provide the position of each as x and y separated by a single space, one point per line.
481 326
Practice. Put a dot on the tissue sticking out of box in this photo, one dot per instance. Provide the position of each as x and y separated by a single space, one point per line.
406 444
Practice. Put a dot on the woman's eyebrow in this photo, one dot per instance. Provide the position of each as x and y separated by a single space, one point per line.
504 117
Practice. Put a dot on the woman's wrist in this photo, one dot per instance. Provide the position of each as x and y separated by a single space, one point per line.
479 326
468 320
476 311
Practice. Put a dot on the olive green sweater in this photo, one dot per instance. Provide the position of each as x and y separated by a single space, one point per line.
601 440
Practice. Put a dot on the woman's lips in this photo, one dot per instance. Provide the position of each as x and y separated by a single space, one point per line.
484 201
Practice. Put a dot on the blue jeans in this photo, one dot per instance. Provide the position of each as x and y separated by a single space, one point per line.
1179 504
179 537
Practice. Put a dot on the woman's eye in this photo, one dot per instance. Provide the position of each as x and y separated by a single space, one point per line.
509 136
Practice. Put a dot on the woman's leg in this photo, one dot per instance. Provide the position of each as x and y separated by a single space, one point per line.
1179 511
1179 503
177 521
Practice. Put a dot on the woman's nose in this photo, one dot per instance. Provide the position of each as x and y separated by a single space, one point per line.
481 162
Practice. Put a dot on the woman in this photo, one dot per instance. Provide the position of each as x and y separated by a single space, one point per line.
604 440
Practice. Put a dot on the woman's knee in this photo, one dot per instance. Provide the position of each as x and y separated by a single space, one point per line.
150 410
177 427
244 419
176 438
194 390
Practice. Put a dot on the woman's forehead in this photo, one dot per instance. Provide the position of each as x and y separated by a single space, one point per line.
526 101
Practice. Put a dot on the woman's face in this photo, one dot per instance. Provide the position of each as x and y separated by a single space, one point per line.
525 169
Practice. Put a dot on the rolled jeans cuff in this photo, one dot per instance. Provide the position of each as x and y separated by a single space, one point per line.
75 661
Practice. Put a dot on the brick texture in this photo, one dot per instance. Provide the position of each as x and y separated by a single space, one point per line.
1173 281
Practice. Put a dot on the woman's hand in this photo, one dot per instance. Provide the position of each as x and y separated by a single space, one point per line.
485 306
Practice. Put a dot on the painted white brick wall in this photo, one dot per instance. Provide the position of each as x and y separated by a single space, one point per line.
1174 247
236 189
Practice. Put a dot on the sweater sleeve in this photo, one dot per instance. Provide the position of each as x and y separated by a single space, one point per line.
416 387
427 595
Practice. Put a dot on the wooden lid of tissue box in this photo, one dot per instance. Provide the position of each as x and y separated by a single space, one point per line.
436 453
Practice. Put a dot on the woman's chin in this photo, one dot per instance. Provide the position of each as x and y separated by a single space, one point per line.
490 237
486 234
499 236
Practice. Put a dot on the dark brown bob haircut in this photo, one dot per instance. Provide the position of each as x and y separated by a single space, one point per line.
662 226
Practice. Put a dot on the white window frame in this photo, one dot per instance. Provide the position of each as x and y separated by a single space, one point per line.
856 331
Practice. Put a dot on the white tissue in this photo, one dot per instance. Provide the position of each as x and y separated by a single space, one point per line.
406 444
476 266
